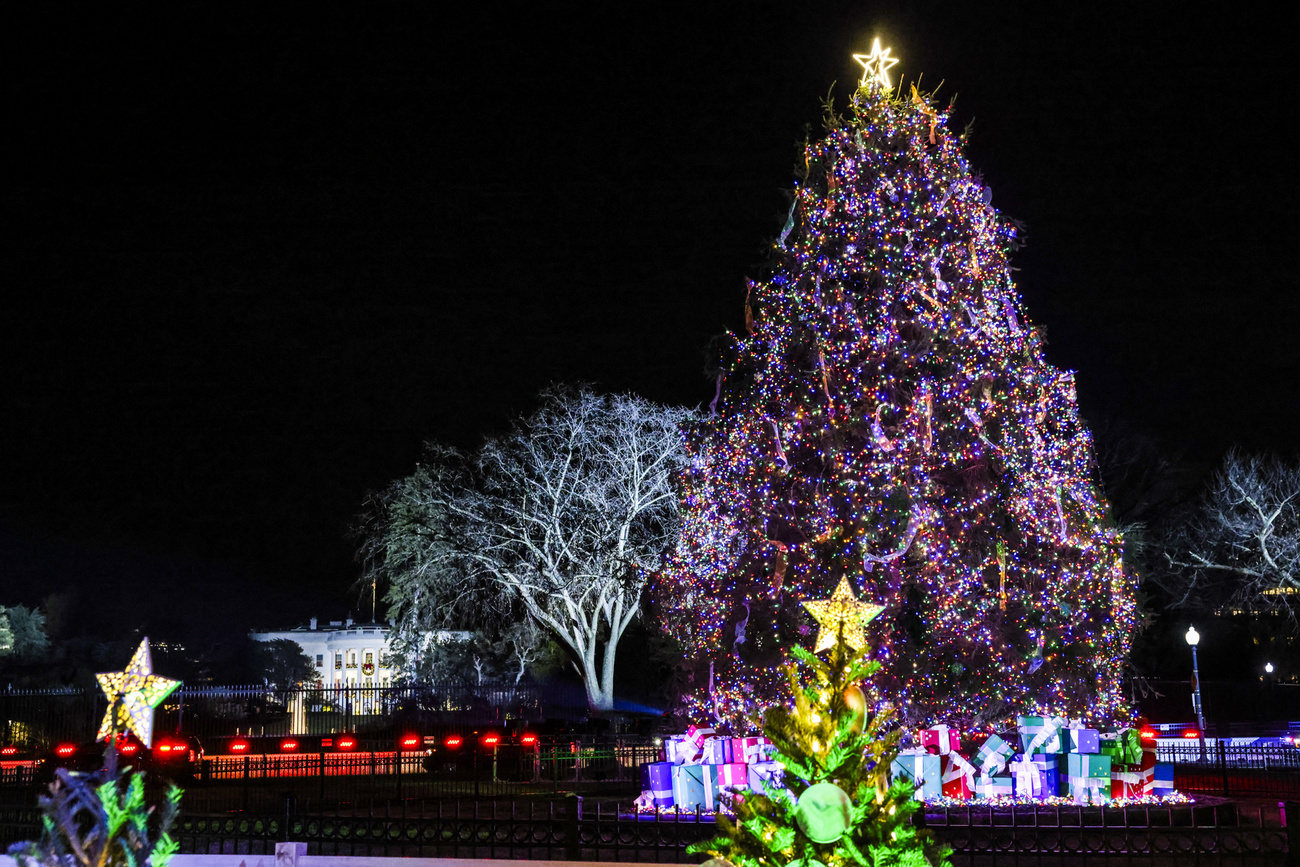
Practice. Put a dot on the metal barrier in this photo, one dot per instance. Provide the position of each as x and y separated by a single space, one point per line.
1234 770
570 829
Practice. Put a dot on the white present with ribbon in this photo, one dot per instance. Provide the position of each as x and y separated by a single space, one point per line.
1025 774
1040 734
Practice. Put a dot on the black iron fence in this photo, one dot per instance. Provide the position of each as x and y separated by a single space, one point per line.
336 780
574 828
1234 770
42 718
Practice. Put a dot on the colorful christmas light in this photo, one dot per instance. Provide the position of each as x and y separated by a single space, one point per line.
889 418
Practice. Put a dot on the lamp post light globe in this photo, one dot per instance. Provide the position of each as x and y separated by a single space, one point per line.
1193 637
1268 668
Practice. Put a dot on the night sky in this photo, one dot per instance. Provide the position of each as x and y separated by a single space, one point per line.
252 263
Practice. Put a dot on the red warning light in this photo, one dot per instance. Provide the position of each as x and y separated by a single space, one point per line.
8 751
288 745
1147 733
347 742
239 745
410 742
491 740
452 742
65 749
1191 733
528 740
129 748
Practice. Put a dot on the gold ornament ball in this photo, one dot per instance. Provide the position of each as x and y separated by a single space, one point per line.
856 699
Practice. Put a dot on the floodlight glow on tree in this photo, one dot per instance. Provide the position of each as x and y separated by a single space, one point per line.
132 696
888 417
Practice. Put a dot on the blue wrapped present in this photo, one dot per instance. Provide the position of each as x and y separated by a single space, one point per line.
1164 779
923 769
1040 734
1083 740
1035 776
993 755
695 786
987 786
657 779
760 772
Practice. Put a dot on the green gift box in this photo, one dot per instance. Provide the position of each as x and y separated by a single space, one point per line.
1124 747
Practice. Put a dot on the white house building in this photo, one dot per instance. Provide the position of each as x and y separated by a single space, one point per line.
344 653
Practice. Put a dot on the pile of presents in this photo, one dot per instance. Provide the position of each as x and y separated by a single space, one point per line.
1051 759
701 764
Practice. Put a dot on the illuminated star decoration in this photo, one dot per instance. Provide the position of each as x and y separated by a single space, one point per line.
876 65
845 610
140 691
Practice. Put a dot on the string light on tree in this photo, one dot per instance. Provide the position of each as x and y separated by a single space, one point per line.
888 417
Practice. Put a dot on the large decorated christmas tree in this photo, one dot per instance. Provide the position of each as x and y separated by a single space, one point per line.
889 419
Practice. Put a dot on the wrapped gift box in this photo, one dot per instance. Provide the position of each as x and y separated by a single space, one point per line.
1036 776
1092 765
698 735
657 779
695 786
1131 781
1162 782
958 780
1084 740
993 755
994 786
1089 790
733 775
1123 747
1039 734
716 751
679 750
759 772
942 739
923 770
751 750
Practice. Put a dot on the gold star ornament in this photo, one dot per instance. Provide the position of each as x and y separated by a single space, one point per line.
132 695
876 65
845 610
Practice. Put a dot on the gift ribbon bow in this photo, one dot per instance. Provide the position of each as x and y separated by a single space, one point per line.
945 738
959 767
1051 728
993 758
1027 779
1086 789
1144 779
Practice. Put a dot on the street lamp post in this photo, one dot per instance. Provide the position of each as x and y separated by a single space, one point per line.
1193 638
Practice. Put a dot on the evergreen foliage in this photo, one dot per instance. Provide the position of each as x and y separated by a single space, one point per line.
820 739
101 820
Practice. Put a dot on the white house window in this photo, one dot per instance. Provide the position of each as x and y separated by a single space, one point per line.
320 660
338 660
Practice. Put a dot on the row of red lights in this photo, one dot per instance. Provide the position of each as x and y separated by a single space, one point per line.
408 742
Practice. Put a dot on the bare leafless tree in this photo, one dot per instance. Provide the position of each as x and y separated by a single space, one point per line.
567 516
1241 548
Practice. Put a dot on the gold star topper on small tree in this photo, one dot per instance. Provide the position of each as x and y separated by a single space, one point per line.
132 695
876 65
845 610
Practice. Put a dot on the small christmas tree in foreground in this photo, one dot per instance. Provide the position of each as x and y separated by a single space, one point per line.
837 806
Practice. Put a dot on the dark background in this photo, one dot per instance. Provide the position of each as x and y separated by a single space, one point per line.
252 260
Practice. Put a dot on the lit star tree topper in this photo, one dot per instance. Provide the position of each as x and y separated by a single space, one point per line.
876 66
132 696
842 610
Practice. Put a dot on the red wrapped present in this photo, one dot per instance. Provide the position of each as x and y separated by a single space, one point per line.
1132 781
957 776
942 739
698 735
